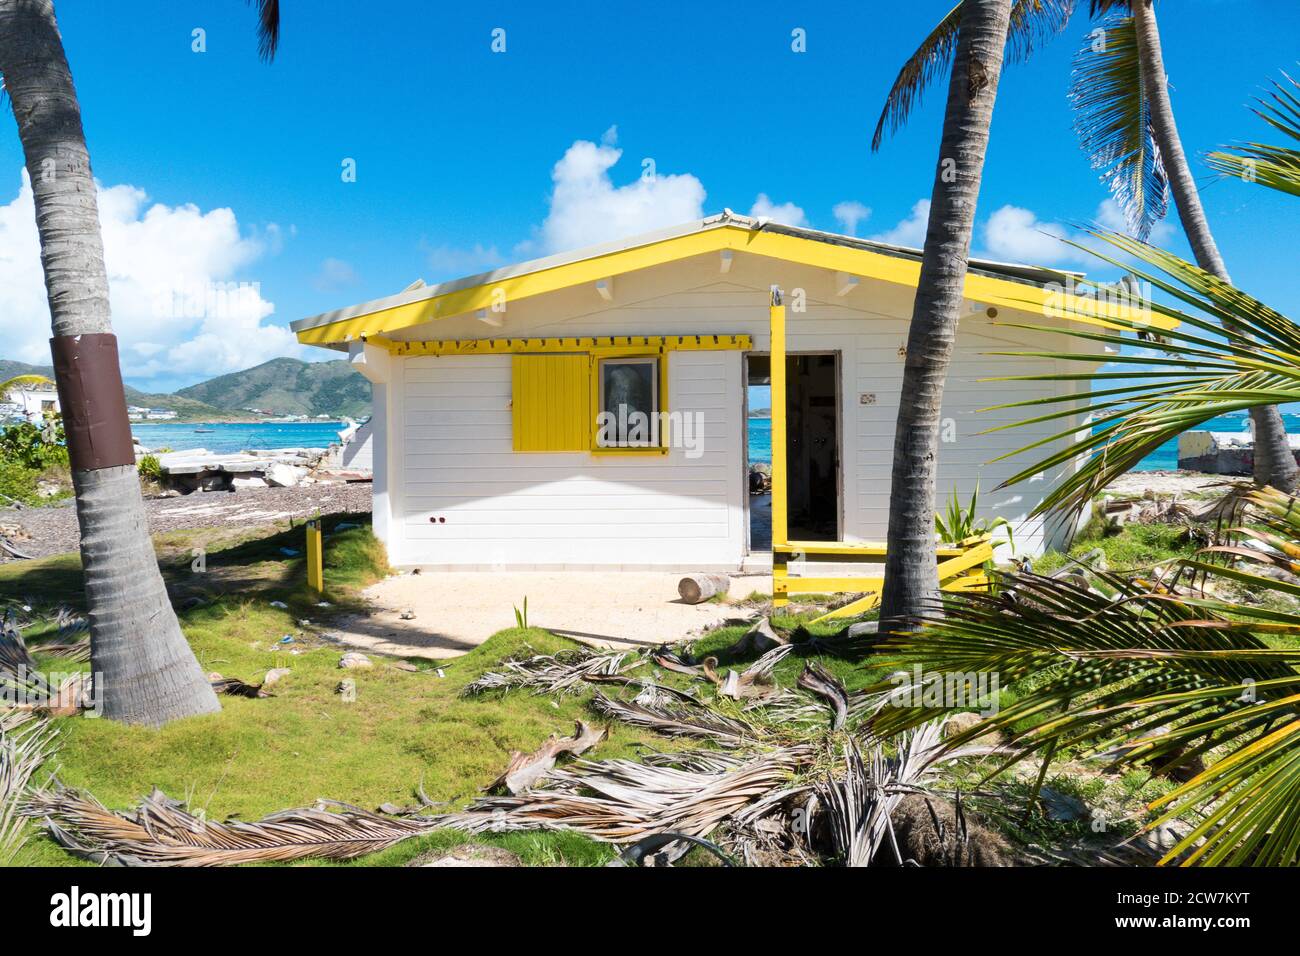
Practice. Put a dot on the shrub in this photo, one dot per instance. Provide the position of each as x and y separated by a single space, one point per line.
16 482
149 468
35 447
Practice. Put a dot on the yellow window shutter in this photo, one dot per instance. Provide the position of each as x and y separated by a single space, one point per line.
551 402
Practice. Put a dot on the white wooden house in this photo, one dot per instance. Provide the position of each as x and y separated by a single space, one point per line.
486 449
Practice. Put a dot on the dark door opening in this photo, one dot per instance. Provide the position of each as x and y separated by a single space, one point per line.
812 448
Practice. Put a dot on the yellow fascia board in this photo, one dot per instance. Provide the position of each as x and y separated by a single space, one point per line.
849 259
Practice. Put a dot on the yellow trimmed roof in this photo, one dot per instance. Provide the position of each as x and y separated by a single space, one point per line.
1027 288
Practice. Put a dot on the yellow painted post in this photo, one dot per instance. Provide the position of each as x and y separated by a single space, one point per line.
780 526
315 558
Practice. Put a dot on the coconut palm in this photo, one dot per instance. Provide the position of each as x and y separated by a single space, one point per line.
1277 167
1125 122
1154 668
910 566
147 671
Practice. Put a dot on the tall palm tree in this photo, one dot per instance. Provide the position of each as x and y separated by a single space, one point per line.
911 575
140 658
1274 462
1126 124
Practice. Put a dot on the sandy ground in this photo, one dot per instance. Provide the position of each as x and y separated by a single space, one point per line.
1146 483
458 610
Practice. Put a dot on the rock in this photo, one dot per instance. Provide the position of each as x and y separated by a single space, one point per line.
1062 807
353 660
469 854
1165 837
281 475
251 481
405 666
960 723
274 675
407 614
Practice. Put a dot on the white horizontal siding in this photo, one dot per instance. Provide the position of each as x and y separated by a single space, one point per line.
469 499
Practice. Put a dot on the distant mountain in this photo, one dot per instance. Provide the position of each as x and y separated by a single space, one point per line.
287 386
282 386
760 413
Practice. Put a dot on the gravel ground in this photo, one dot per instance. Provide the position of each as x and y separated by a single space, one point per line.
45 531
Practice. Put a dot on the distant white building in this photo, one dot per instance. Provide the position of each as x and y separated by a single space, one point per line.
137 414
31 402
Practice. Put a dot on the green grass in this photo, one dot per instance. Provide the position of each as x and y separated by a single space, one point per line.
259 756
1134 547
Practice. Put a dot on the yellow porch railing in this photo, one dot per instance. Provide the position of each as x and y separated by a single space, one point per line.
961 565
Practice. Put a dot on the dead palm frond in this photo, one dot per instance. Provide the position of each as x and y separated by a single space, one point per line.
526 770
561 673
1277 167
1112 118
620 801
1032 22
21 755
161 832
678 720
819 681
859 803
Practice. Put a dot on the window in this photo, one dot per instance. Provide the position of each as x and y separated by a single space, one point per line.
628 403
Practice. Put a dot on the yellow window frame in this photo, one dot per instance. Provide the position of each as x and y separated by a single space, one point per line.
661 357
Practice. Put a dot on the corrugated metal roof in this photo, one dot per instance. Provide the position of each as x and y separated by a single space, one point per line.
1032 275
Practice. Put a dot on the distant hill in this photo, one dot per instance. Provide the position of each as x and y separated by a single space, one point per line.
287 386
282 386
760 413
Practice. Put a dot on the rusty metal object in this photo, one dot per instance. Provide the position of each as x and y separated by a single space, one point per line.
93 401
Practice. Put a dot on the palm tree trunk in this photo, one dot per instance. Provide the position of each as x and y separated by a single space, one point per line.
143 667
911 577
1274 462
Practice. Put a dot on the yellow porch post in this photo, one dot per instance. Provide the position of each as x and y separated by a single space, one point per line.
315 558
780 526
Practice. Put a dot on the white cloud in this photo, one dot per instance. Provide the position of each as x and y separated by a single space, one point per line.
183 307
1018 235
587 208
786 213
849 213
911 231
1013 234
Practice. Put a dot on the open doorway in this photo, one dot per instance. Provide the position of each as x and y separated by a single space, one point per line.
812 447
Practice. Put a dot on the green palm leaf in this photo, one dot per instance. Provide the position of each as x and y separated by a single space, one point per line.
1113 123
1153 672
1277 167
1032 22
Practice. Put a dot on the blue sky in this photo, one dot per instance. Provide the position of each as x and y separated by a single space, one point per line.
455 146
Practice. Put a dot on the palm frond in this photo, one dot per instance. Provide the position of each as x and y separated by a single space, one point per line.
268 28
1032 22
1202 371
1113 122
1277 167
1159 675
21 755
162 832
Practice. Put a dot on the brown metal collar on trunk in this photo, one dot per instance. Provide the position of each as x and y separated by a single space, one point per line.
93 401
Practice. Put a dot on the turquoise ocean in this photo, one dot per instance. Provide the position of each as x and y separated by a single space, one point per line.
1163 458
229 437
